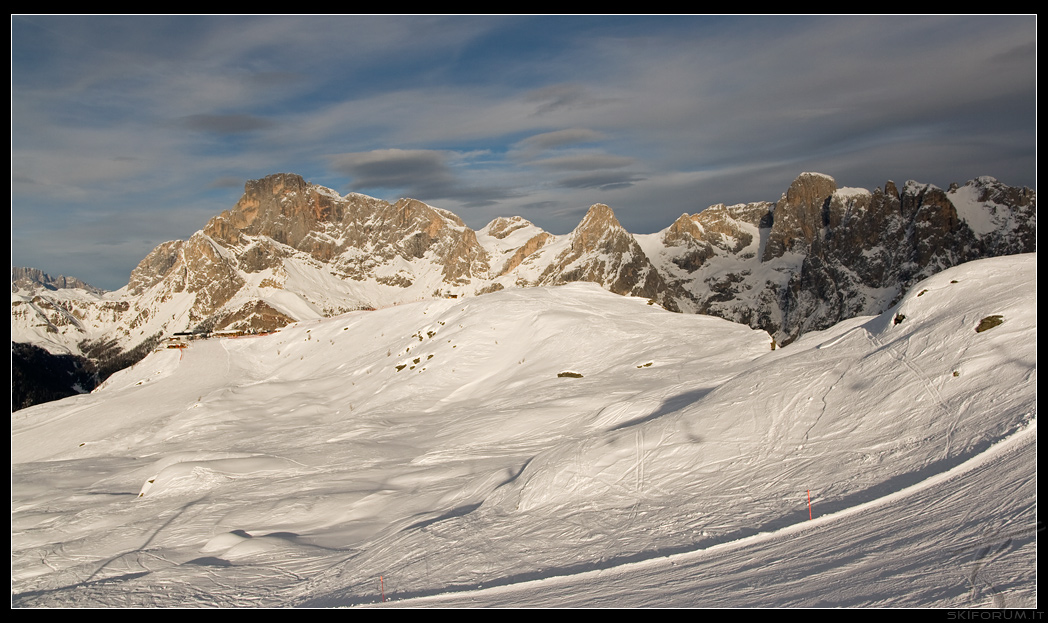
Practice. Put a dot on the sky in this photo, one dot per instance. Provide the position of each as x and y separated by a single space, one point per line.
131 131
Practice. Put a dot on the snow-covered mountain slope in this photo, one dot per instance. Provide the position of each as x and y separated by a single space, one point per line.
443 445
58 320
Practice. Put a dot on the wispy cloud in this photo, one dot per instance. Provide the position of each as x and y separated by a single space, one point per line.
394 168
603 181
226 124
584 162
559 138
559 97
418 173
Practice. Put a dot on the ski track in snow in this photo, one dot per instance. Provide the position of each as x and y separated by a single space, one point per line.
523 593
299 468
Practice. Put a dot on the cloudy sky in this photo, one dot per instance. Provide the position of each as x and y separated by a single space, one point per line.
130 131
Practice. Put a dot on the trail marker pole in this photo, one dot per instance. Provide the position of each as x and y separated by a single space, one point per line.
382 587
809 504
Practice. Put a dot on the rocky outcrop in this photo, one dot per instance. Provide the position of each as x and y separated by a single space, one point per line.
29 279
602 251
418 231
283 207
197 267
253 316
533 244
503 226
717 229
155 266
829 253
800 215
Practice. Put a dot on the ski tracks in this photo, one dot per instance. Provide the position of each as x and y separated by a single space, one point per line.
541 586
892 349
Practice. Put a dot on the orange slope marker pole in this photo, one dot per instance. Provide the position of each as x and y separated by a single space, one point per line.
809 504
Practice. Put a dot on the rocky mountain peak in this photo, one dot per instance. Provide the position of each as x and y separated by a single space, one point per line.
717 229
420 230
683 230
599 215
809 186
798 215
23 278
602 251
276 184
988 189
282 206
269 198
503 226
600 231
408 213
154 266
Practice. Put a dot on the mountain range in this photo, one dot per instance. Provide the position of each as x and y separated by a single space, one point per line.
290 251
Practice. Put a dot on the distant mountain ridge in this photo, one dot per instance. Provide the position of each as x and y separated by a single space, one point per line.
290 250
23 278
822 254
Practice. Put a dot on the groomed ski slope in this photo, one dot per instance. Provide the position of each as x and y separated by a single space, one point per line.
432 447
944 542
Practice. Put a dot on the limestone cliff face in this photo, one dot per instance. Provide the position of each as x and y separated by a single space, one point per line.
419 230
196 268
23 278
799 215
879 242
155 266
717 229
283 207
1009 214
503 226
826 253
210 274
533 244
287 210
602 251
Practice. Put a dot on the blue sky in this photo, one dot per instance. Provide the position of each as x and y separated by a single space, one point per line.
130 131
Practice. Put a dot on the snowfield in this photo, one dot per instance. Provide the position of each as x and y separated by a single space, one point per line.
432 454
